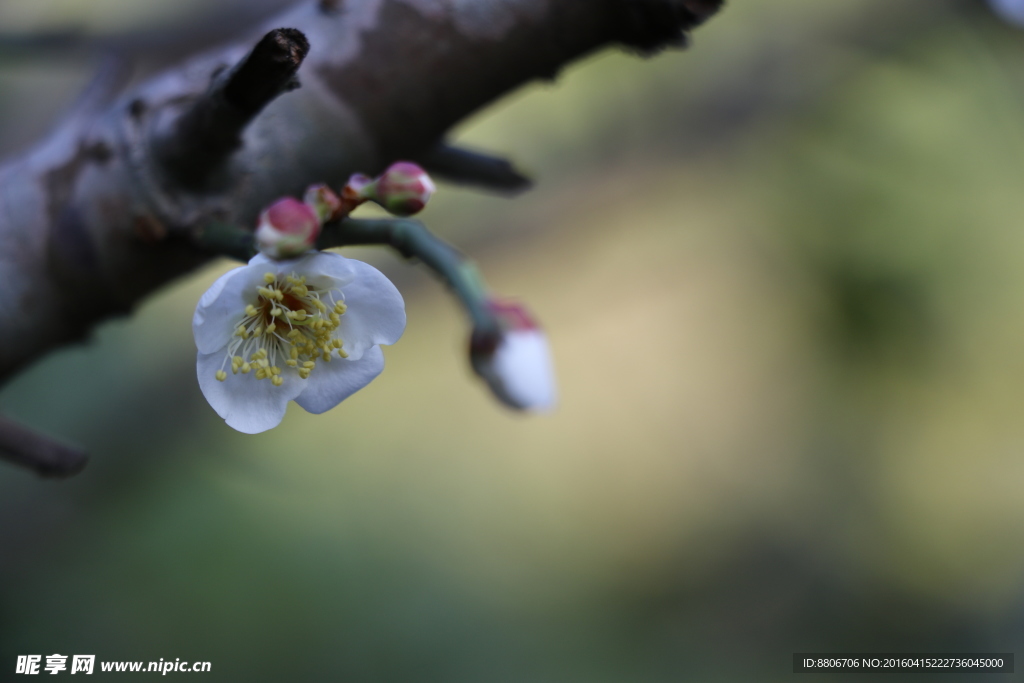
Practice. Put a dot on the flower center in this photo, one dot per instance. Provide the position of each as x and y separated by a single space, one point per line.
292 323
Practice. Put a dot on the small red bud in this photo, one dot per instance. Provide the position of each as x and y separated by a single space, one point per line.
287 228
323 201
404 189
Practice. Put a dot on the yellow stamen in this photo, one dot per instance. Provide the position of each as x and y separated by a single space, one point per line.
313 323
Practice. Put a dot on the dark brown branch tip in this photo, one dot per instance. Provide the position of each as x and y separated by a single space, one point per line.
137 108
206 134
651 25
268 70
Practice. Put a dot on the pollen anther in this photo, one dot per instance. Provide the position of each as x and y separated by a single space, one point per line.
313 323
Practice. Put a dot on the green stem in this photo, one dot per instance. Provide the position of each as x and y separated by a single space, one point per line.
408 237
228 240
412 240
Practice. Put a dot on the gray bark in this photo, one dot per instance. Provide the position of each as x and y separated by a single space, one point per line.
91 220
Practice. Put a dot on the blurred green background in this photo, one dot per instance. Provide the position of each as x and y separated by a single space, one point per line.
781 274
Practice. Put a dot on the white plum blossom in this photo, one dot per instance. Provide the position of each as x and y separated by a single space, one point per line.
517 364
307 330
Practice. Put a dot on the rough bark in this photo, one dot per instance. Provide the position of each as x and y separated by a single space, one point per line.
94 219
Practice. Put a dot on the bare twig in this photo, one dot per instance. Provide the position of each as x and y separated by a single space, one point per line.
651 25
20 445
474 168
210 130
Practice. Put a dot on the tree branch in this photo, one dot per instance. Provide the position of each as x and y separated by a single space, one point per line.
204 136
91 221
20 445
464 166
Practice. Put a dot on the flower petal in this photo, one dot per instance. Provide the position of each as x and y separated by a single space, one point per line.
521 373
315 264
329 264
222 306
333 382
249 405
376 311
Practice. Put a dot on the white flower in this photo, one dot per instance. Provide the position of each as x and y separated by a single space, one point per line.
307 330
517 363
1010 10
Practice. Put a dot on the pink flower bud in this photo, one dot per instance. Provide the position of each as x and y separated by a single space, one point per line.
403 189
288 228
358 190
323 201
516 364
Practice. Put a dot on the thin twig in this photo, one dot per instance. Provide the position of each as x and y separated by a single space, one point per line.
24 447
412 240
210 130
467 167
408 237
648 26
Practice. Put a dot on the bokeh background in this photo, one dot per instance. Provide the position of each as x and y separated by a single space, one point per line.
782 277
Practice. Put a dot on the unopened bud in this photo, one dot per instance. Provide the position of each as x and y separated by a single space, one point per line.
358 190
403 189
323 201
516 360
288 228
